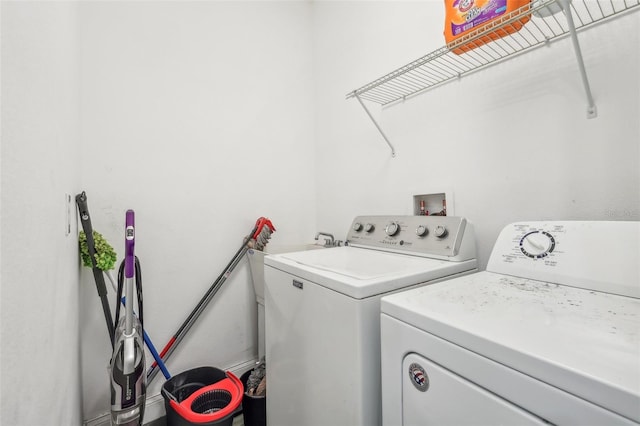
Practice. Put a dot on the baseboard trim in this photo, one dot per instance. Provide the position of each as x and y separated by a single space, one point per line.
154 406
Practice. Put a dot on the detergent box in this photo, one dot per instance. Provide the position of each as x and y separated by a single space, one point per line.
464 16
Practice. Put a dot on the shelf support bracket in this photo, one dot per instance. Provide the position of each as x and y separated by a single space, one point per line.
592 110
393 151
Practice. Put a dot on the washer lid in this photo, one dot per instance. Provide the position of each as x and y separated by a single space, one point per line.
582 341
360 272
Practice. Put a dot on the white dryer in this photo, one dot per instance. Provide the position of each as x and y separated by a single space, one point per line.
549 333
322 310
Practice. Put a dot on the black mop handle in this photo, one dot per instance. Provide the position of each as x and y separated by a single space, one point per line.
85 219
259 237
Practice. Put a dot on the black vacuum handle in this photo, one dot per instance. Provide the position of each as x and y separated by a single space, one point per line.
85 220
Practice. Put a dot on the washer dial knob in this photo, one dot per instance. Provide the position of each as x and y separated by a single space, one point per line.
421 231
440 231
357 227
392 228
537 244
369 227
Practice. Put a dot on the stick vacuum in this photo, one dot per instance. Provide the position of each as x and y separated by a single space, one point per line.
127 366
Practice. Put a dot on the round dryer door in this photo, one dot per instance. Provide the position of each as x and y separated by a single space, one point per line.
432 395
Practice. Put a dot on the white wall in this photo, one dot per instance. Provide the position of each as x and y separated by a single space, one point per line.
203 116
40 372
199 116
511 142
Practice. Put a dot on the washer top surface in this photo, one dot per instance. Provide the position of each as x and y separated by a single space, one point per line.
361 264
361 272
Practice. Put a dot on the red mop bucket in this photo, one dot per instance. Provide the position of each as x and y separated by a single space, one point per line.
203 396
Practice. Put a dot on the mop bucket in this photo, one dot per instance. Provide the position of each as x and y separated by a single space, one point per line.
203 396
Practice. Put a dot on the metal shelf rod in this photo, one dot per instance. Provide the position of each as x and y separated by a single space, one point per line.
393 150
592 110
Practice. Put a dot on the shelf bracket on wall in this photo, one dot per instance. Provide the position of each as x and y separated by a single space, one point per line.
592 110
393 151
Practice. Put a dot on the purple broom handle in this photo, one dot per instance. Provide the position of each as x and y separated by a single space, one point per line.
129 257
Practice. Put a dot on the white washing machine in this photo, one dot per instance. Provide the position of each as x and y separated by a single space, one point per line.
549 333
322 310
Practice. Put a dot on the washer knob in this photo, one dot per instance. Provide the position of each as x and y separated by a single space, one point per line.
369 227
392 228
421 231
357 227
440 231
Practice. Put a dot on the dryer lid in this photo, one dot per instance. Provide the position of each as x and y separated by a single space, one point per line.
582 341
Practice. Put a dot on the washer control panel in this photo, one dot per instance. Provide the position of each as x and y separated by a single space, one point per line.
418 235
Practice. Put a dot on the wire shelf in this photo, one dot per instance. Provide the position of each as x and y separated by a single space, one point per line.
442 65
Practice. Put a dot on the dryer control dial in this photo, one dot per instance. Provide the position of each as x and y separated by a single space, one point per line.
357 227
537 244
369 227
392 229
